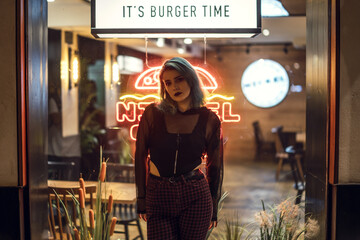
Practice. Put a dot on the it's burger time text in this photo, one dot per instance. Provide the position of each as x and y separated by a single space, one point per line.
167 11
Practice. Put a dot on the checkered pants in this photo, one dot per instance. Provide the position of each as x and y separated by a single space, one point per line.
178 211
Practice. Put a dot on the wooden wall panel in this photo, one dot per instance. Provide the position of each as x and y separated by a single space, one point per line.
229 64
349 97
8 96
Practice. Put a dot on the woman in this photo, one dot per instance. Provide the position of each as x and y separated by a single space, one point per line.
177 201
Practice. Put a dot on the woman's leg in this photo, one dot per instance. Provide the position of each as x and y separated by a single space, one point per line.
194 220
162 210
162 228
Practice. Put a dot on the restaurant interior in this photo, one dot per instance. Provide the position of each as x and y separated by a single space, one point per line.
98 88
287 98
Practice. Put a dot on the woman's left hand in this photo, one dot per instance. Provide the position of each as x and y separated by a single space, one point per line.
213 224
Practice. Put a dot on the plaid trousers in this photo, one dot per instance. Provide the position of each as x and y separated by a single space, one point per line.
180 210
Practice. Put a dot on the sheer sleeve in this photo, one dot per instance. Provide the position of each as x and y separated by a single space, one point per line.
141 154
214 164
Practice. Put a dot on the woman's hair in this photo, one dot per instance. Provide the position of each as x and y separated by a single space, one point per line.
188 72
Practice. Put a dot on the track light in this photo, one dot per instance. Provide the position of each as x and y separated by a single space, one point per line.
247 49
285 49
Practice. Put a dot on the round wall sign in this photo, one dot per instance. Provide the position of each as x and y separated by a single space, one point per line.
265 83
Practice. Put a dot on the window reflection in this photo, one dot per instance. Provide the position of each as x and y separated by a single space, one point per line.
82 104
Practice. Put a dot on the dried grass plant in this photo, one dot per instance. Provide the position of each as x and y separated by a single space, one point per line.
100 224
278 222
284 222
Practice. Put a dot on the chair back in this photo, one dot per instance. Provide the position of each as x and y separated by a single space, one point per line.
117 172
279 140
259 138
58 226
60 170
127 216
283 140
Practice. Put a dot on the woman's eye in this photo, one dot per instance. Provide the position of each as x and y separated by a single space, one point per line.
167 83
180 79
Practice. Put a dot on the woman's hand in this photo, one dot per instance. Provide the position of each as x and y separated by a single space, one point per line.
143 216
213 224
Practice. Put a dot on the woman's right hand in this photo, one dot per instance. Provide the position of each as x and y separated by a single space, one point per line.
143 216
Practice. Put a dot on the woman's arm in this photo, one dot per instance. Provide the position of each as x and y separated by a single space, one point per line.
214 164
141 154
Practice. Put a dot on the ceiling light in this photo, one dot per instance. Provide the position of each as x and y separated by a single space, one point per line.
160 42
296 65
129 65
296 88
188 41
273 8
180 50
266 32
51 0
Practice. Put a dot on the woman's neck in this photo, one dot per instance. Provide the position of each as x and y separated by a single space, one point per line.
184 105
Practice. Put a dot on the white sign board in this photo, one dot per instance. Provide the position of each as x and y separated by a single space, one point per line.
185 18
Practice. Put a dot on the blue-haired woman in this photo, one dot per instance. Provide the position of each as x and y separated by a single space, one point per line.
175 198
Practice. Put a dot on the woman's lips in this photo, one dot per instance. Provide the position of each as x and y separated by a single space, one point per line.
177 94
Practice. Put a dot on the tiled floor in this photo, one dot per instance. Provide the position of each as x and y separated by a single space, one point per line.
248 183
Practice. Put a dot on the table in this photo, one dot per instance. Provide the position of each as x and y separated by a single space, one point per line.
124 193
301 137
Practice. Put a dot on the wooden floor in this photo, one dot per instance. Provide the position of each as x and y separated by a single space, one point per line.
248 183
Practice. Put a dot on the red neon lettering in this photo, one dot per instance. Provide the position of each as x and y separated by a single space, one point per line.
126 111
226 108
133 131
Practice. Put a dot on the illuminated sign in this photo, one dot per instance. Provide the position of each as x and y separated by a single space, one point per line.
150 79
265 83
131 106
186 18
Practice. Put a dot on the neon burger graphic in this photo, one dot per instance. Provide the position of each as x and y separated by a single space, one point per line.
130 107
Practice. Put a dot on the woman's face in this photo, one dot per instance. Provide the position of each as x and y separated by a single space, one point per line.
176 86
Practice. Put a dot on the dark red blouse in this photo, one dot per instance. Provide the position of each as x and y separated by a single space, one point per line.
193 133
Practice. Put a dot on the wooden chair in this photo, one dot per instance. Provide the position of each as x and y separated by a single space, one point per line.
60 170
57 228
120 172
125 213
127 216
287 153
262 146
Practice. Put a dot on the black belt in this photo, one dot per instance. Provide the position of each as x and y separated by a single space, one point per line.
194 174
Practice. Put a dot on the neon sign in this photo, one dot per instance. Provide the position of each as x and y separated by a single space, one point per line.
131 106
150 79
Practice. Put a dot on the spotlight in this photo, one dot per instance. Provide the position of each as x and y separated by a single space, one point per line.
266 32
285 49
247 49
188 41
218 55
160 42
180 50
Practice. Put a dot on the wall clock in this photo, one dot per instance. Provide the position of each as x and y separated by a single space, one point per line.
265 83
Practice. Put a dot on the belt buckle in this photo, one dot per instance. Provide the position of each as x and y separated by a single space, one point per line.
172 179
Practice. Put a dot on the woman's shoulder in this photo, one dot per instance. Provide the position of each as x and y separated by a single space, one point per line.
151 110
212 116
210 112
151 107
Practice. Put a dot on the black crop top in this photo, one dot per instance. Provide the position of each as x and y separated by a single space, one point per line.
191 134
